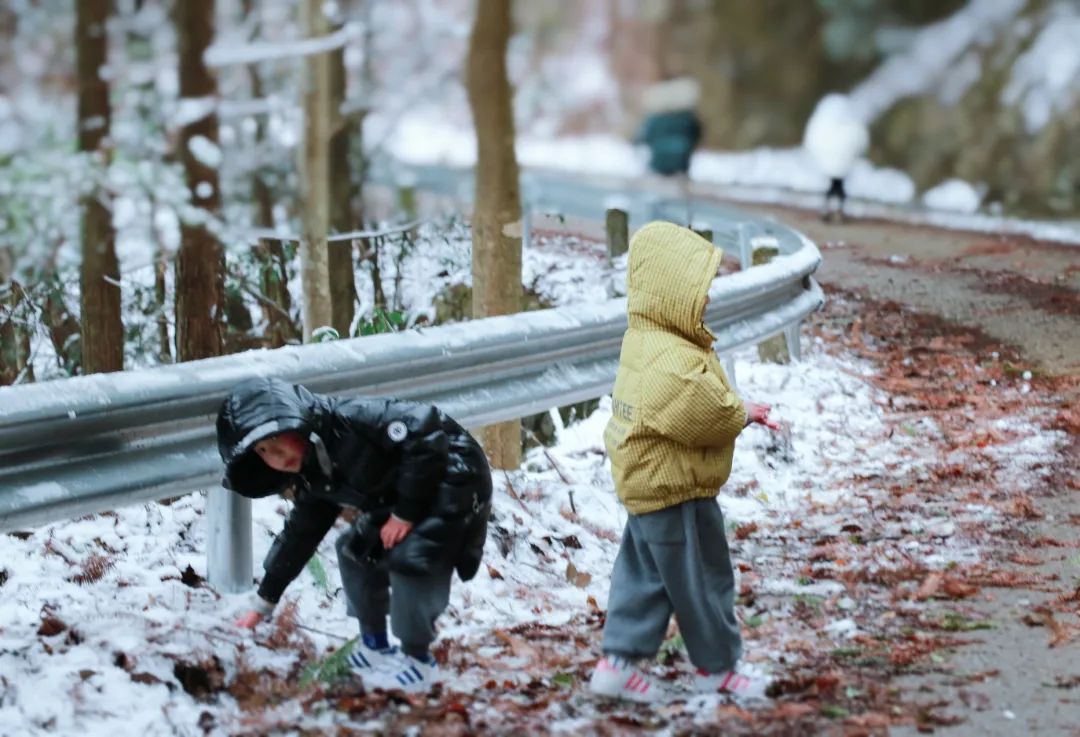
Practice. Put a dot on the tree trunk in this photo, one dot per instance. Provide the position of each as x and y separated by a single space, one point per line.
270 254
14 337
99 274
314 264
342 276
200 268
496 225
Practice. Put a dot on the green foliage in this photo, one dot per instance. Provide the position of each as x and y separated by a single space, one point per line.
832 711
563 679
334 667
381 321
956 622
671 648
318 572
846 652
811 601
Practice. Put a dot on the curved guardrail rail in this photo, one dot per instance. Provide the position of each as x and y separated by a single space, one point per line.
87 444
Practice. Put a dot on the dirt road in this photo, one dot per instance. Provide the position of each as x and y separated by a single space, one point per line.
1024 294
1017 291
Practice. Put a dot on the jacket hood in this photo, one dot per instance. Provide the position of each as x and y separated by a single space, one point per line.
255 410
668 275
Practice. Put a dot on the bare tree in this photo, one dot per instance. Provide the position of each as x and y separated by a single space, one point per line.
314 264
496 224
99 274
200 268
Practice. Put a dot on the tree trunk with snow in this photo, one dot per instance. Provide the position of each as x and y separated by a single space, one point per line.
102 331
314 263
342 218
200 267
269 253
496 224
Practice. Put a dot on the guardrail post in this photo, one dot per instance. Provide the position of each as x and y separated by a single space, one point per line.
776 348
228 543
746 248
617 227
729 369
791 337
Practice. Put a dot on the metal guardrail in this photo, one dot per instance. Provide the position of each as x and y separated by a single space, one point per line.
88 444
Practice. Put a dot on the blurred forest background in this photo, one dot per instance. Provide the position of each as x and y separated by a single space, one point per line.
172 174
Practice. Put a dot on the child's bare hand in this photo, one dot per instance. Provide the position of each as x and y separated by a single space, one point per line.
757 412
394 531
249 619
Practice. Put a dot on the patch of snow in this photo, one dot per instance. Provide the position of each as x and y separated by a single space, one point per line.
1046 78
205 151
953 195
192 109
933 52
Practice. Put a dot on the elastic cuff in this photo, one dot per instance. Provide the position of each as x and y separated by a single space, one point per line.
262 606
407 512
272 588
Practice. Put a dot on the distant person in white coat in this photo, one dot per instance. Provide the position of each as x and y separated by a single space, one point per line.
835 138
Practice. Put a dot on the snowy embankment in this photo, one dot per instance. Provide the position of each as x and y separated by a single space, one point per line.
768 175
108 628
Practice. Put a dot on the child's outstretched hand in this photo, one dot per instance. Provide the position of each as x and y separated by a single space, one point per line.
394 531
248 620
260 609
759 413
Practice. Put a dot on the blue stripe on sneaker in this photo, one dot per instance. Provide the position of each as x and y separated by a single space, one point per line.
416 673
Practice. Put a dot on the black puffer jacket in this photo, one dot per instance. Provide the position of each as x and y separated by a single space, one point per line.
378 455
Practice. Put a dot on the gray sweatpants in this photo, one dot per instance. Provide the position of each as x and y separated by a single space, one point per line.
675 561
413 603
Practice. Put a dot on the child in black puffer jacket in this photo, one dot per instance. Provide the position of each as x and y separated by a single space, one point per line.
423 487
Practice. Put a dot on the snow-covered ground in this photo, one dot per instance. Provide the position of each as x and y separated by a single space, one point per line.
102 619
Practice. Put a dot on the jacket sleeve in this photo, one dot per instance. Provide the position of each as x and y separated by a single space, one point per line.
695 131
699 411
305 528
416 431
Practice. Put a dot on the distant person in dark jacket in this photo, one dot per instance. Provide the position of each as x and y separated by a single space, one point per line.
420 481
671 129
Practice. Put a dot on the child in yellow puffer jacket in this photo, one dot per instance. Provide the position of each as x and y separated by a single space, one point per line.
670 439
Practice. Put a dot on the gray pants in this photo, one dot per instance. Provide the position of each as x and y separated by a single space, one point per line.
413 603
675 561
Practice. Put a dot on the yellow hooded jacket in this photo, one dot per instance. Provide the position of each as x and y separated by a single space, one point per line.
674 416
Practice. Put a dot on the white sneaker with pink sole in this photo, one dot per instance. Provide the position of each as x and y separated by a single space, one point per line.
620 680
742 683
